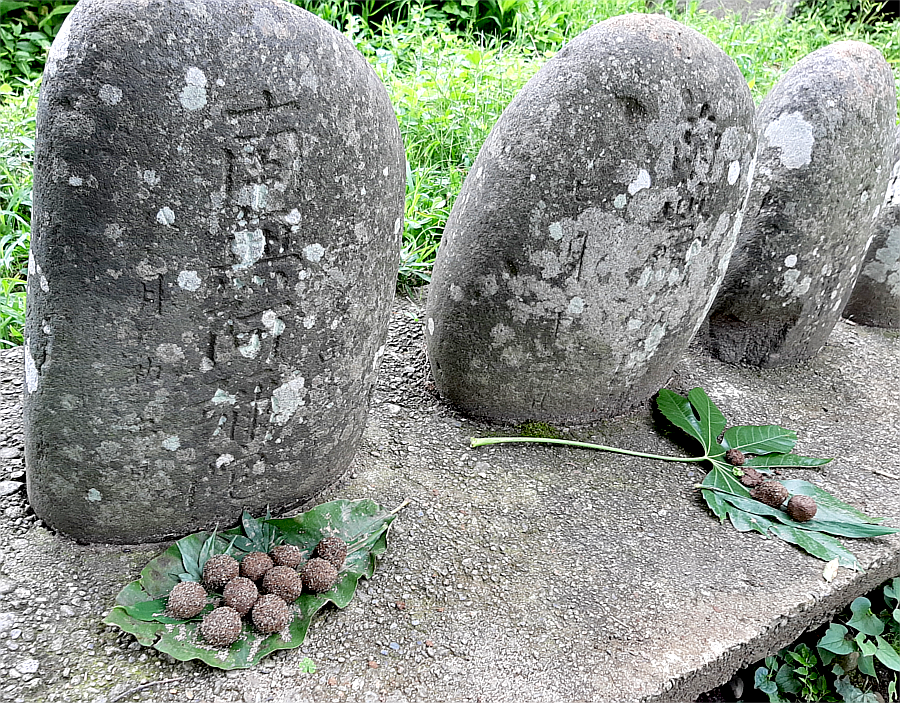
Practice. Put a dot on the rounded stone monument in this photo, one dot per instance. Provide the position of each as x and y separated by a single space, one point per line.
593 230
875 299
218 196
826 131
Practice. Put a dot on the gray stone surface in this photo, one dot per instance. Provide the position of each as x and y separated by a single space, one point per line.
826 132
594 228
218 195
518 574
876 297
747 9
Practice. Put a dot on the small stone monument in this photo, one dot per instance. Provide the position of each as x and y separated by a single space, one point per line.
825 137
875 300
594 228
218 198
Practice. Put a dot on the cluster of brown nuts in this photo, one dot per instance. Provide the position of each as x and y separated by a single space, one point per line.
773 493
282 576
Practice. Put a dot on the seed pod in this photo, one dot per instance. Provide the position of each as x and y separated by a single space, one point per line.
771 493
219 570
802 508
735 457
752 478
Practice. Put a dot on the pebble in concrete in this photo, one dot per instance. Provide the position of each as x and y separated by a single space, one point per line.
825 137
875 300
594 228
218 201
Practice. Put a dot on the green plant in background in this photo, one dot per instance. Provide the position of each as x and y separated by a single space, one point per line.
842 666
27 28
766 447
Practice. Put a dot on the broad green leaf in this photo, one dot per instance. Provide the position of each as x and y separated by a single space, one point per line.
834 640
886 654
786 680
745 522
775 461
866 648
867 666
190 547
677 410
821 546
155 611
362 524
710 420
863 618
759 439
722 478
892 592
828 507
851 694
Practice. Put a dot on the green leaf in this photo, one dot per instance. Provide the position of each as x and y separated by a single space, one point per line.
786 680
834 640
759 439
821 546
886 654
362 524
745 522
851 694
723 478
307 666
892 592
775 461
711 421
863 618
828 507
677 410
867 666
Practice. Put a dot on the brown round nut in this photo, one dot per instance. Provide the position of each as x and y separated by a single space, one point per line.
271 614
319 575
802 508
240 593
186 600
255 565
735 457
771 493
333 550
287 555
751 477
219 570
221 627
283 582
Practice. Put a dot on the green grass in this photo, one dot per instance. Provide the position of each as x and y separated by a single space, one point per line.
448 88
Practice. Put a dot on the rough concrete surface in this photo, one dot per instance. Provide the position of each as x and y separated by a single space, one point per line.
517 573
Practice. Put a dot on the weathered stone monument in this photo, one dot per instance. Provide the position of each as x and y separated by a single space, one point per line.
218 201
826 132
875 299
594 228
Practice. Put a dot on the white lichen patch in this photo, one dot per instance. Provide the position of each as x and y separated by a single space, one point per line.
693 250
193 95
165 216
430 325
272 322
309 321
286 399
254 196
734 172
640 183
576 306
150 178
172 443
314 252
224 460
793 285
169 353
794 136
110 94
32 376
76 181
93 495
556 230
790 261
293 217
250 350
621 201
886 266
248 247
221 397
501 335
188 280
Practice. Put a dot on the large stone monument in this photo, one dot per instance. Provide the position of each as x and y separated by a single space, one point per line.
594 228
218 199
826 131
876 297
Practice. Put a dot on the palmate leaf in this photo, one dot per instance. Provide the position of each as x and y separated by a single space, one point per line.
784 461
677 410
710 420
140 605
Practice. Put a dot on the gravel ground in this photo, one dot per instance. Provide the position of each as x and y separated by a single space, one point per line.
515 573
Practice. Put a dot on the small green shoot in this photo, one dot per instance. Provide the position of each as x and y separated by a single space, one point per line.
307 666
766 447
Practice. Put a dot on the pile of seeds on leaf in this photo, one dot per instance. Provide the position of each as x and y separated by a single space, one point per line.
773 493
261 586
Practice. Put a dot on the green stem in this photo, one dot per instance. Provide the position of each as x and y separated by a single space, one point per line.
481 441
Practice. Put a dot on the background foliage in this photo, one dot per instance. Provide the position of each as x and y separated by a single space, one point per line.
450 67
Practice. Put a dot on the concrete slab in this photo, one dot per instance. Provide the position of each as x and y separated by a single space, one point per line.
517 573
